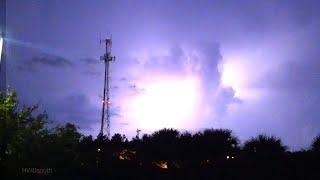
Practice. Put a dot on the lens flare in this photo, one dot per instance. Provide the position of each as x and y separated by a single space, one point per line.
1 44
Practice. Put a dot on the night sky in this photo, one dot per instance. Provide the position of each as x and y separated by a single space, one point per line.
250 66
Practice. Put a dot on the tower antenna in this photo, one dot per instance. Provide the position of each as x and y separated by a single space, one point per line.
107 58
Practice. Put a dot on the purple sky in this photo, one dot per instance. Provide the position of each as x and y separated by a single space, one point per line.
256 62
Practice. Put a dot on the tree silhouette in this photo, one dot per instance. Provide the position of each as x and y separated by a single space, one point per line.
88 152
20 132
117 144
26 140
184 146
315 146
118 139
215 144
163 144
264 145
264 158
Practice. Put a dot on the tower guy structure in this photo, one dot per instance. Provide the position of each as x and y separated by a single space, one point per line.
105 116
3 73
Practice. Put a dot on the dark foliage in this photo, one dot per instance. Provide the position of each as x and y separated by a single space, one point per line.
316 144
29 150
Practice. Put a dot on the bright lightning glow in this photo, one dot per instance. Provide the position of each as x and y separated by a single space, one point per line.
166 103
1 44
233 75
237 72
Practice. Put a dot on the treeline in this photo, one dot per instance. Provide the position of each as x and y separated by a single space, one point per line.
30 149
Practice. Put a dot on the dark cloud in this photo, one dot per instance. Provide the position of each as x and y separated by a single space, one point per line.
115 111
91 66
171 63
209 62
201 58
90 61
225 97
293 76
297 90
123 79
75 108
45 60
92 72
115 87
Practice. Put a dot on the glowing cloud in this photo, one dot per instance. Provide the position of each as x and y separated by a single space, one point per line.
238 72
234 74
166 102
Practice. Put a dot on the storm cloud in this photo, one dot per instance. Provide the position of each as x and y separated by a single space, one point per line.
270 47
45 60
